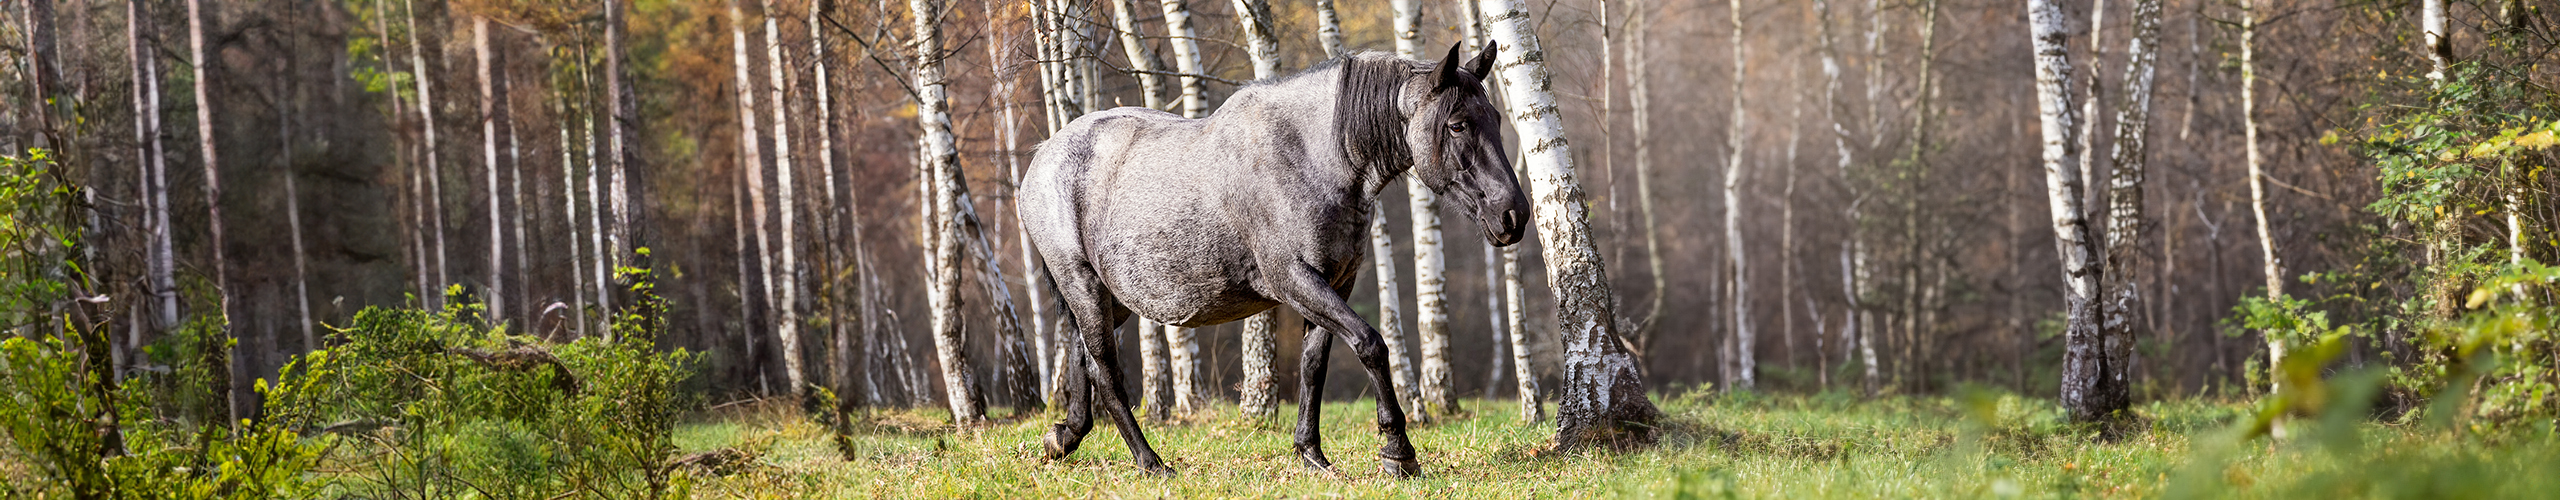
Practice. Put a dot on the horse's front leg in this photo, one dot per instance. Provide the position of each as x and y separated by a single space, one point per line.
1325 308
1318 345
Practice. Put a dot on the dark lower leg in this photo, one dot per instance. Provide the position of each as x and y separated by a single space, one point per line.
1103 365
1311 365
1065 436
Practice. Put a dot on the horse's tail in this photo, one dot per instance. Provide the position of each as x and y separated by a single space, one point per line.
1071 333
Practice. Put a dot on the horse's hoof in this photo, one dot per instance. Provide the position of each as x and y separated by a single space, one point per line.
1314 460
1056 443
1400 469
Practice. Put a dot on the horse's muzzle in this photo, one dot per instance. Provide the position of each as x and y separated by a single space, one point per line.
1512 228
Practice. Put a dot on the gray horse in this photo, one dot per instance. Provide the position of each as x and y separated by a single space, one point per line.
1201 222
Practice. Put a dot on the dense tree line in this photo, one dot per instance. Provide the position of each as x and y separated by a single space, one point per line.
799 174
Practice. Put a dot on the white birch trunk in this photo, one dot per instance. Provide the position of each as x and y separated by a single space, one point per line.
1257 393
1640 103
1430 257
2258 174
1134 45
1186 57
1853 252
153 158
1740 261
942 158
621 115
2431 25
2085 390
751 157
1261 44
243 402
1382 252
784 188
515 195
433 168
2089 107
1328 29
489 111
293 224
569 220
1155 388
1604 396
1008 130
2124 189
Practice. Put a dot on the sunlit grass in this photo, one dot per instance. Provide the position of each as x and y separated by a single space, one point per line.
1763 446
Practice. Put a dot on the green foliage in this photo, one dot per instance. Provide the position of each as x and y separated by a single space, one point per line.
440 404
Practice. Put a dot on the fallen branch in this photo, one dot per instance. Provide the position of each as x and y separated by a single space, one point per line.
522 358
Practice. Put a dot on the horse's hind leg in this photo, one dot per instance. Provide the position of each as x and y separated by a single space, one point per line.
1065 436
1103 365
1325 308
1311 367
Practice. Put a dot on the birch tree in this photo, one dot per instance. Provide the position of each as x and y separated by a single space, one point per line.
623 112
789 305
293 209
569 214
1256 397
1853 252
2257 170
1430 258
1504 296
433 169
1741 261
1150 84
933 114
1184 343
153 159
490 110
2087 390
1604 398
236 376
2124 190
752 159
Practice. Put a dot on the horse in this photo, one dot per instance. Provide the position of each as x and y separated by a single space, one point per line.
1265 204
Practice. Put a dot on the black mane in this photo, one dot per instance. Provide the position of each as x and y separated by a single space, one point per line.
1365 106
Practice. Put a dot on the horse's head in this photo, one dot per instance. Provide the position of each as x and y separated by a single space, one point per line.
1455 136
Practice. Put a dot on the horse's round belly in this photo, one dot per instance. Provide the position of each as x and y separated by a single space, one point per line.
1187 282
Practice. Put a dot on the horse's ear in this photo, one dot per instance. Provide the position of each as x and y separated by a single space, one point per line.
1447 74
1482 66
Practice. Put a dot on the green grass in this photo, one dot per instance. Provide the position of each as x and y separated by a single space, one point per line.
1755 446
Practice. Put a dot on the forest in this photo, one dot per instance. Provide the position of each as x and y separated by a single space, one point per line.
772 248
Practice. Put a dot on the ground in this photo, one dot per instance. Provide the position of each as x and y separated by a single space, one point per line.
1714 446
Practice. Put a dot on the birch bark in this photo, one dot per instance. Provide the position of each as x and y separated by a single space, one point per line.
2257 170
1734 249
942 158
433 168
235 382
489 116
1134 44
2125 197
1430 257
751 157
2086 390
154 162
784 188
1256 397
1604 398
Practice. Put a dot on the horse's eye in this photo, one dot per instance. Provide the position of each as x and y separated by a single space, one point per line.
1457 127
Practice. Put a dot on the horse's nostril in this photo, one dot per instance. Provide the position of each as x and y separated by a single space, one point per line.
1511 219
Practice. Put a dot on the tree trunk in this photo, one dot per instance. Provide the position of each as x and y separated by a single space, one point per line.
569 219
1256 397
1181 342
433 168
1030 376
1506 297
1430 258
789 305
2257 170
1604 398
490 110
1853 252
628 188
751 157
293 212
2088 393
1186 57
236 377
1329 29
2431 24
2090 106
1134 44
942 158
1261 44
1640 103
1155 388
1741 262
2124 198
46 73
153 158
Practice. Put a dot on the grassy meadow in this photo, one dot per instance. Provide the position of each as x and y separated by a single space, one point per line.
1832 445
